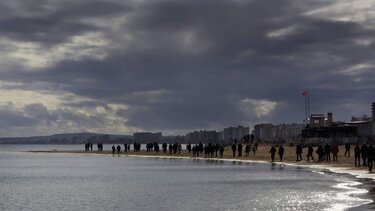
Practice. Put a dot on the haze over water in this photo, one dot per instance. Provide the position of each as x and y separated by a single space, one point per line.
35 181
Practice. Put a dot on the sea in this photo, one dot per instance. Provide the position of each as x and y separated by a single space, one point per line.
54 181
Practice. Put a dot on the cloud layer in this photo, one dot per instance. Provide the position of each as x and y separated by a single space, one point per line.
125 66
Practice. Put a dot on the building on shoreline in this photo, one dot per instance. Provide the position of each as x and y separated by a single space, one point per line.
203 136
281 133
229 134
359 130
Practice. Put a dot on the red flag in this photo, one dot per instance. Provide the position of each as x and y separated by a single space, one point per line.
305 93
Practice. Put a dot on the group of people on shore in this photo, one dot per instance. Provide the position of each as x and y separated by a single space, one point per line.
210 150
364 154
324 153
367 153
248 148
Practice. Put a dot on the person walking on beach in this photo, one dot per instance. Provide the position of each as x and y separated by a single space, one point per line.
335 151
164 146
327 151
240 149
347 149
320 153
194 150
281 152
234 149
247 150
156 148
221 151
310 151
299 152
188 147
254 149
357 156
118 149
170 148
273 151
113 149
364 154
370 157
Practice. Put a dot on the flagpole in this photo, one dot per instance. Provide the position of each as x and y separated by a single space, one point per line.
308 102
306 112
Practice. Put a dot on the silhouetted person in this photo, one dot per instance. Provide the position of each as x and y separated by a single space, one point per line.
175 148
254 149
179 147
281 152
364 154
252 138
370 157
239 149
200 148
221 150
335 151
310 151
347 149
197 148
91 146
113 149
170 148
234 149
320 152
118 149
194 150
164 147
156 148
357 156
299 152
327 151
247 150
273 151
125 147
188 147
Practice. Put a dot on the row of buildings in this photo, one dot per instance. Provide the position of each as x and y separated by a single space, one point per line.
281 133
227 135
318 128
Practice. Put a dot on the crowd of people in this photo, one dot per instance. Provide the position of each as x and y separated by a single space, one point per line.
364 154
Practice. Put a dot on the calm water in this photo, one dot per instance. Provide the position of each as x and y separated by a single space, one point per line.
31 181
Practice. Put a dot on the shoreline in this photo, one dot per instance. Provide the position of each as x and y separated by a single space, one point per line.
364 179
358 172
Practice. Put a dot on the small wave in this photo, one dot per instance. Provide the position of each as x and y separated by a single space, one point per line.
349 198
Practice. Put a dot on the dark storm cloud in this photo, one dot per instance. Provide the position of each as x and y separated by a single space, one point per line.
194 64
51 22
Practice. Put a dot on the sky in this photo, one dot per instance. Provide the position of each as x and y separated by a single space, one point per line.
115 66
